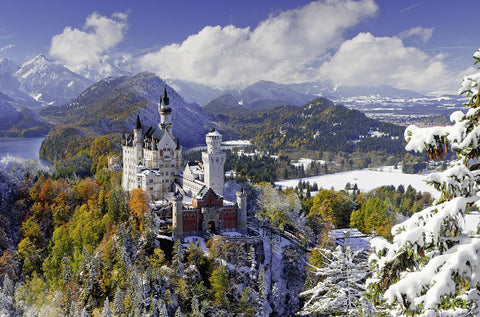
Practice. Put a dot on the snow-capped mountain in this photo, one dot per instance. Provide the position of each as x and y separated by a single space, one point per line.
19 120
10 86
194 92
102 70
9 112
260 96
326 88
50 83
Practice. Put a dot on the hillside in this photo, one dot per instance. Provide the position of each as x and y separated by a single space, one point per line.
111 106
20 121
319 125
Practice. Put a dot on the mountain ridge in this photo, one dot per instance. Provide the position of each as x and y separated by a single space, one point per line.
111 106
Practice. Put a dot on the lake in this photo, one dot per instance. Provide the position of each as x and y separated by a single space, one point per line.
27 148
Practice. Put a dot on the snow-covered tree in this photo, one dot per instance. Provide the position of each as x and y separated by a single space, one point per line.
6 298
340 283
432 268
107 311
118 308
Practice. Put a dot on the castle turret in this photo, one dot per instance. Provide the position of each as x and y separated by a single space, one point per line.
138 138
213 162
178 152
242 211
165 112
177 214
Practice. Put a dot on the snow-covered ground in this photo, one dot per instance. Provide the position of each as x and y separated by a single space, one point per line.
366 180
306 163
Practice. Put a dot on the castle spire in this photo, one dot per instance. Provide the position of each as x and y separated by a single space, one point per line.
165 111
165 99
138 124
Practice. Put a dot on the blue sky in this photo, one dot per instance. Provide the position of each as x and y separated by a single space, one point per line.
421 45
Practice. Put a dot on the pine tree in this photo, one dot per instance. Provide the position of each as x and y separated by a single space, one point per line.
107 311
162 309
178 254
178 313
6 298
432 268
118 308
340 283
195 308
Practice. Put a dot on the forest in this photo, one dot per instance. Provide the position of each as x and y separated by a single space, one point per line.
81 246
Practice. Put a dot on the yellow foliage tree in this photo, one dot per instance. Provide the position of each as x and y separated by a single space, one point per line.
138 206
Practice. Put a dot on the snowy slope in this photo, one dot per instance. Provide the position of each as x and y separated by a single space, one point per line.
10 86
50 83
9 112
105 68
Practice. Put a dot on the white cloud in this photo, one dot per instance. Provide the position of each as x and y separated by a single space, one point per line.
422 34
370 60
6 47
88 46
282 48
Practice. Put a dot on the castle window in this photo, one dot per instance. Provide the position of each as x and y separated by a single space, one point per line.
193 225
226 222
226 214
192 216
151 180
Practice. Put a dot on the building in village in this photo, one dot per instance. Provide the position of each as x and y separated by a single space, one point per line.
152 161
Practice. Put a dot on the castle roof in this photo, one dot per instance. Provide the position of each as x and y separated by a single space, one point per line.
214 132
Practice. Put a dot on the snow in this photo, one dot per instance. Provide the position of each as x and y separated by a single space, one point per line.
351 236
198 241
472 221
366 180
306 163
236 143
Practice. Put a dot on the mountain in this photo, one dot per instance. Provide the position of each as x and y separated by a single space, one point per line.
319 125
194 92
105 68
327 89
259 96
9 112
10 86
19 120
317 88
381 91
111 106
50 83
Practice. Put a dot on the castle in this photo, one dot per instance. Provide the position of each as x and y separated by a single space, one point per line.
152 161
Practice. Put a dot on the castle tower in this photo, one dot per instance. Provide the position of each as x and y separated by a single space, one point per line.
138 139
242 211
177 214
165 112
213 162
